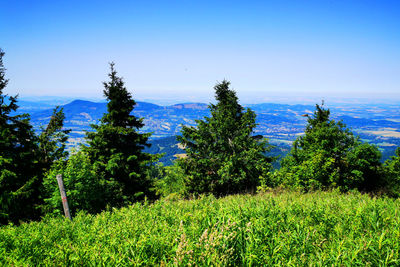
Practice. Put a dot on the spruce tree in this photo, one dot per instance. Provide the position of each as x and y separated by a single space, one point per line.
328 155
223 155
115 147
52 140
19 170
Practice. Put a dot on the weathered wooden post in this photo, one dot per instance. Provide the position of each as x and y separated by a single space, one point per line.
63 196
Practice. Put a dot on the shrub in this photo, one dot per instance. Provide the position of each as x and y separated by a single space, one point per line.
85 191
172 181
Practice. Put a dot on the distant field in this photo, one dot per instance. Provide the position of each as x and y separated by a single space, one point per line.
322 229
280 123
385 133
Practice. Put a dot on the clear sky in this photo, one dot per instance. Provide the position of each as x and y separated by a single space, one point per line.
180 49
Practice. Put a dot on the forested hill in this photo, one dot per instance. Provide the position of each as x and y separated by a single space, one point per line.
161 120
170 148
281 123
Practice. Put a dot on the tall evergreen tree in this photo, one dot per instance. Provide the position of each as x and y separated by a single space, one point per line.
329 155
52 140
19 172
223 155
115 147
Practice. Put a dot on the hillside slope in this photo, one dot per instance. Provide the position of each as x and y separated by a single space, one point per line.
294 229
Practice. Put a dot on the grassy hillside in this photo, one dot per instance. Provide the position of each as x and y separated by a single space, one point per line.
273 228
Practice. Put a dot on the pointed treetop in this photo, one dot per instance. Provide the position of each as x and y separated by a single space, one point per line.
321 115
120 102
3 80
223 94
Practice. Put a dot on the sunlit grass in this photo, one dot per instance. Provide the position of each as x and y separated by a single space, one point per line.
289 228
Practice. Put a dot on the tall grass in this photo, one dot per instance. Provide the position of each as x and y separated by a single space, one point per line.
321 228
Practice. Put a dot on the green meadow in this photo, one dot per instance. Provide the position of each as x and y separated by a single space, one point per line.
275 228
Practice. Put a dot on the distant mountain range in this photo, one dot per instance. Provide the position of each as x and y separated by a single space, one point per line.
280 123
161 120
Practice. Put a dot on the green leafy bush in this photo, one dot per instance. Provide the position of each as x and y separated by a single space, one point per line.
85 191
392 172
172 181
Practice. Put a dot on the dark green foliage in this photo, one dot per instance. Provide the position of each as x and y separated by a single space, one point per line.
366 168
223 156
52 140
329 155
392 173
115 147
19 169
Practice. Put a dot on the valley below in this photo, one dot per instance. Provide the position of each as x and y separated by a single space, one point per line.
281 124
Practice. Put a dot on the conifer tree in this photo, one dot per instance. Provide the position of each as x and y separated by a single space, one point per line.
223 155
52 140
115 147
329 155
19 172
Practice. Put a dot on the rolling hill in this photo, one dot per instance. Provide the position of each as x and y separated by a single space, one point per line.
280 123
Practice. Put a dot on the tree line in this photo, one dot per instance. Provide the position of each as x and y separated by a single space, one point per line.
223 156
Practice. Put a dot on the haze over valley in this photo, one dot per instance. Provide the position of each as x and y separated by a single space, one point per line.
378 124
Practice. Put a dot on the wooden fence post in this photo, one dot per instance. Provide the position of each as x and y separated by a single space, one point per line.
63 196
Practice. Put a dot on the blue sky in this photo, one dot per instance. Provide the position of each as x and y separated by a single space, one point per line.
180 49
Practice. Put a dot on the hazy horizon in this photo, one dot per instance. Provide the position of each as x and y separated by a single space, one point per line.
270 51
166 101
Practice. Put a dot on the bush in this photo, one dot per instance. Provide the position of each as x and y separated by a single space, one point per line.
172 181
392 175
85 191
